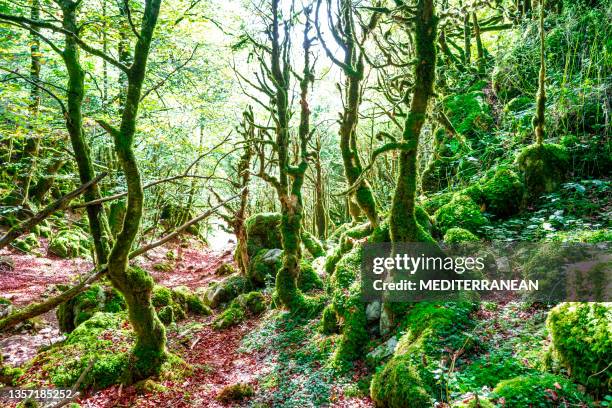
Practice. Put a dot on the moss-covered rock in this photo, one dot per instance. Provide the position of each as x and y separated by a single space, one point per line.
263 231
9 375
329 321
537 391
312 244
398 385
345 292
458 236
462 212
308 279
502 193
434 202
163 266
235 392
431 330
245 305
26 243
98 298
174 304
582 342
161 296
224 291
103 339
166 314
225 269
69 243
544 168
264 266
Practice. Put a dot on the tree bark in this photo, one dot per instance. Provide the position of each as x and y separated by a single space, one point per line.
98 224
539 118
403 225
136 284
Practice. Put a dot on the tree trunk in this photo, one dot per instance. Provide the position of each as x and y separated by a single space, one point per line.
467 39
74 123
403 225
539 118
136 284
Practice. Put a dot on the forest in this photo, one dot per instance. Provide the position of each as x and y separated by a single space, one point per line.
192 193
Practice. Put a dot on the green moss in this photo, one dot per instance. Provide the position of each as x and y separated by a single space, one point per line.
502 193
535 391
166 314
9 375
196 306
116 215
26 243
225 269
433 203
345 291
582 342
161 296
308 279
235 392
423 219
544 168
69 243
263 231
469 113
148 386
225 291
249 304
28 403
103 339
459 235
431 330
264 266
518 104
312 244
163 266
398 385
97 298
329 321
462 212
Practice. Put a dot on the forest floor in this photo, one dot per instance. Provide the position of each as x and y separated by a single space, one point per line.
218 358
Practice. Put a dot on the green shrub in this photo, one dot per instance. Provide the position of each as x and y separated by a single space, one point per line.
459 235
536 391
582 342
462 212
475 403
469 113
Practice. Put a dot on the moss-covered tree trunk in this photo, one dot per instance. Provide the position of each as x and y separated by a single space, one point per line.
541 96
361 199
403 225
33 143
467 39
135 284
98 224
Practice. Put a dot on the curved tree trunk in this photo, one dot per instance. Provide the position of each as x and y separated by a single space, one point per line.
403 225
74 123
136 284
